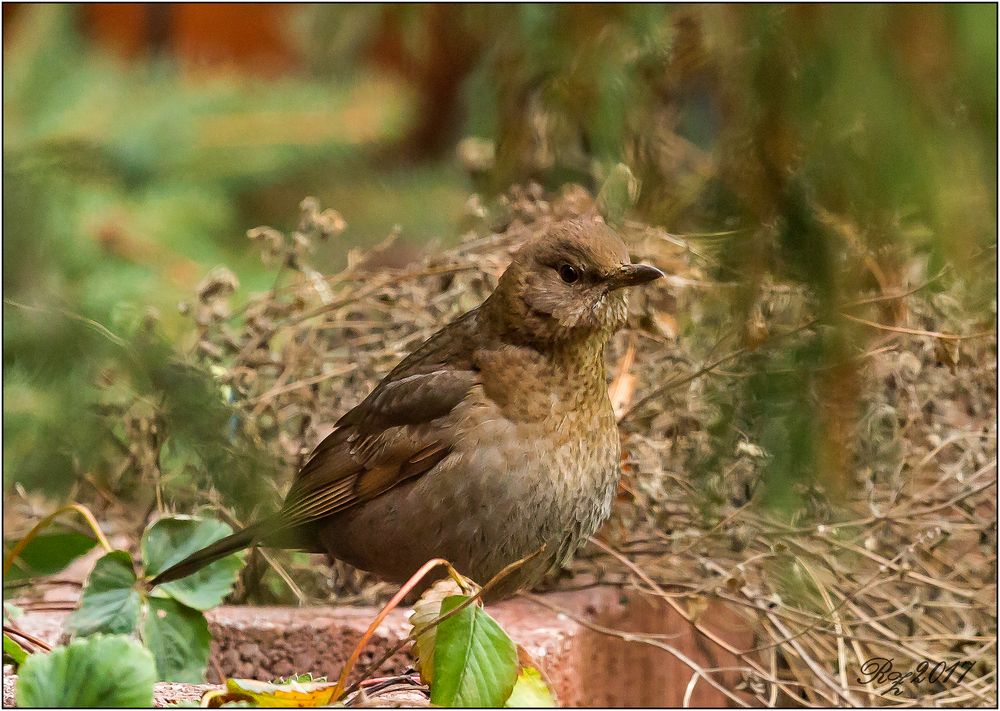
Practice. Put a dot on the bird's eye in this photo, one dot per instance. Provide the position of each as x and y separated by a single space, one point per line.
568 273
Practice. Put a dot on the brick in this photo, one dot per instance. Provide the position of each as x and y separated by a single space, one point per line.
585 667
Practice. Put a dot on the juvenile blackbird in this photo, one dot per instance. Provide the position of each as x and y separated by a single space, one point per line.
492 440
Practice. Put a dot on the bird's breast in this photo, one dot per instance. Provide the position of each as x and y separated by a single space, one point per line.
552 479
508 488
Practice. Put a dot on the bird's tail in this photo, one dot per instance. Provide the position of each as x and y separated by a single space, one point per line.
216 551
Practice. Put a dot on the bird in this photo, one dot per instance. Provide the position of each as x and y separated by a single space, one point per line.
493 442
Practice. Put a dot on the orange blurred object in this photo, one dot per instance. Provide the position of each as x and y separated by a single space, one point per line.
247 36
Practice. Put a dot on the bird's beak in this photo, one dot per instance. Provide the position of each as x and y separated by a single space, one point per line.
633 275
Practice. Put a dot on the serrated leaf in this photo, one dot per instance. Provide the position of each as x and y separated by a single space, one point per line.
179 639
99 671
530 691
49 553
475 662
110 602
13 650
171 539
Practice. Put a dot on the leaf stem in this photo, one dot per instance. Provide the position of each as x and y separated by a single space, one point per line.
389 607
17 632
510 568
41 525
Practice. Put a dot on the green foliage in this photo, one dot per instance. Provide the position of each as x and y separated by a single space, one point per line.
13 653
110 602
179 639
99 671
122 184
49 553
169 618
150 398
171 539
467 658
475 662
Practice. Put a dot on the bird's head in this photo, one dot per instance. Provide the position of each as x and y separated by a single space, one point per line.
570 284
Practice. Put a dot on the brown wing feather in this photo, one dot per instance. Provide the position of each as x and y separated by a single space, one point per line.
393 435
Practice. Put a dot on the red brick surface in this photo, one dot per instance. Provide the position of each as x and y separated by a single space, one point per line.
586 667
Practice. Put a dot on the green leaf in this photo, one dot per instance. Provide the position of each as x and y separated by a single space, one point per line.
530 691
110 601
13 650
179 639
171 539
99 671
49 553
425 611
475 662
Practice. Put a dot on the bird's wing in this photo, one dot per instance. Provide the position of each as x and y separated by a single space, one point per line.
394 435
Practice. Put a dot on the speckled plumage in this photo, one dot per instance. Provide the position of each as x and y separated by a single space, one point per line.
494 439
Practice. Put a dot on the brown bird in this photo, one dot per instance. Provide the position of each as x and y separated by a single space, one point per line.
493 440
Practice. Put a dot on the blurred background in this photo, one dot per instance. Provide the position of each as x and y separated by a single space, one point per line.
835 151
